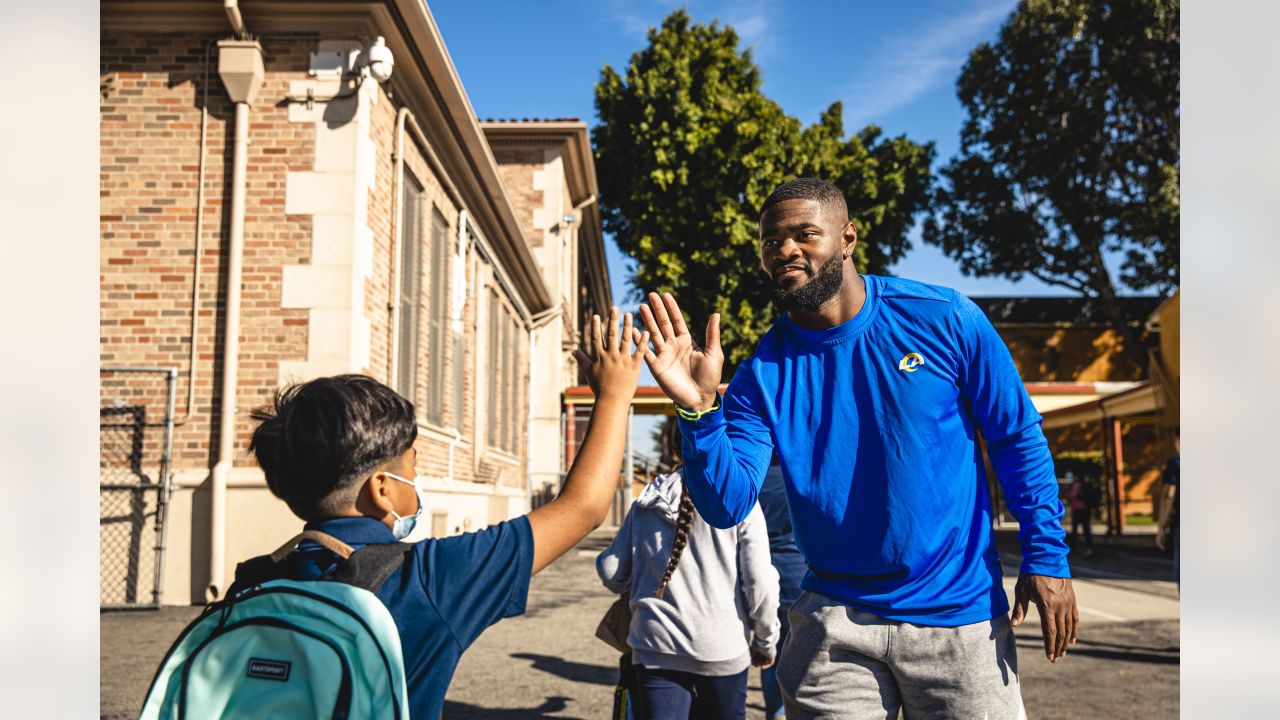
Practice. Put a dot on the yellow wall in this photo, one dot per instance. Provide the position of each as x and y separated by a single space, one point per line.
1044 353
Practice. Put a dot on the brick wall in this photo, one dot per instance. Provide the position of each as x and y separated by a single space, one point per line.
433 443
152 89
516 164
150 139
150 130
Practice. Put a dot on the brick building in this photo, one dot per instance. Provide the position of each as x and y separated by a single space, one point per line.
1095 397
375 227
547 166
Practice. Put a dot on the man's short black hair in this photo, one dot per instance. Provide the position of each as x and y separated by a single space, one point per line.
319 440
806 188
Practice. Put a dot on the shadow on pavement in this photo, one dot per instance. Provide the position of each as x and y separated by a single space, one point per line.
1166 649
1123 655
569 670
463 711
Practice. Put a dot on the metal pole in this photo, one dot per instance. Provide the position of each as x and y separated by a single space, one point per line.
570 436
1111 477
166 483
631 463
564 432
1117 437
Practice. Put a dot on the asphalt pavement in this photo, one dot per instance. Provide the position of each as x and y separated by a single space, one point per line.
547 663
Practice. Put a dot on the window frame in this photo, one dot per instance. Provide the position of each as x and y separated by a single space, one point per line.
505 380
408 335
436 316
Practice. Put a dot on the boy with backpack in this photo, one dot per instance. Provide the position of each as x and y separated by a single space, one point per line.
345 620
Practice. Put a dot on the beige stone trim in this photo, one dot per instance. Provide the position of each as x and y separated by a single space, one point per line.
335 193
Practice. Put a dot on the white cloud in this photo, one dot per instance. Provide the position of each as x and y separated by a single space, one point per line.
901 68
752 22
631 17
751 19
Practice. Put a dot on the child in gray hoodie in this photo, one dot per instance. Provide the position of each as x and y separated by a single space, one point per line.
704 604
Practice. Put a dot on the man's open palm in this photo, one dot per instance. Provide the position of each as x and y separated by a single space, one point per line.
687 373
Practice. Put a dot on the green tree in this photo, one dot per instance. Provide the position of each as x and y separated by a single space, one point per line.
1069 153
688 148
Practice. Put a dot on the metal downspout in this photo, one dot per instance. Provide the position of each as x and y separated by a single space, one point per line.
241 69
166 481
397 250
232 9
230 363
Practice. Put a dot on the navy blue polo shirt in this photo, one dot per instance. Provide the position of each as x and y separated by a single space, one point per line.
447 592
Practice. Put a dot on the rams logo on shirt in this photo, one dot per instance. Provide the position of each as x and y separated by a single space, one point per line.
911 362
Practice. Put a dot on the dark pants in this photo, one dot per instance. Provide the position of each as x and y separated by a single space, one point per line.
1082 517
625 691
668 694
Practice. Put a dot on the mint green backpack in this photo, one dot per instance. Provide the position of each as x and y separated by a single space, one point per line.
280 648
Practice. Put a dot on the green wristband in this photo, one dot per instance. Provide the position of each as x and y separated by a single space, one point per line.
691 415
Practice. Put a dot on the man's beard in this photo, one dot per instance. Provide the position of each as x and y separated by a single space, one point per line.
811 295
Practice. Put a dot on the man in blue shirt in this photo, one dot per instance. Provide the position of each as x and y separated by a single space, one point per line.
340 452
873 391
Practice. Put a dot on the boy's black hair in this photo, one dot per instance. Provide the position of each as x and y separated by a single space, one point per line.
319 440
806 188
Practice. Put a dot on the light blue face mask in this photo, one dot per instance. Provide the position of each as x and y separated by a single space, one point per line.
403 526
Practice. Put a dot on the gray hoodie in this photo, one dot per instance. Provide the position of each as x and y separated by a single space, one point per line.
723 592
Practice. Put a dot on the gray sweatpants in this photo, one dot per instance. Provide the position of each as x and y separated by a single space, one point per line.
838 662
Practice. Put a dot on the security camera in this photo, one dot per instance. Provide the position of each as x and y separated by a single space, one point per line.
378 61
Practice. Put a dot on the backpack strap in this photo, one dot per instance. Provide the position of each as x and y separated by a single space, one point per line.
329 542
370 566
366 568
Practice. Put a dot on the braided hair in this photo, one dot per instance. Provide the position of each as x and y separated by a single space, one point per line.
683 521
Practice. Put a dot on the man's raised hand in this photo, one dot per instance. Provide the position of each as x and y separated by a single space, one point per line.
687 373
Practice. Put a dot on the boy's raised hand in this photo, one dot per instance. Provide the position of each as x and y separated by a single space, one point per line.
616 367
687 373
587 492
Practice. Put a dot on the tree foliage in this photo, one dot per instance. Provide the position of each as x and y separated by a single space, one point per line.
1069 153
688 148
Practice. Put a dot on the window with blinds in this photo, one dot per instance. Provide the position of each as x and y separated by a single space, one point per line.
504 376
437 318
410 290
459 352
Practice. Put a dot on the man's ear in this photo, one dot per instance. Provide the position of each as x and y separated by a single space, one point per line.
849 239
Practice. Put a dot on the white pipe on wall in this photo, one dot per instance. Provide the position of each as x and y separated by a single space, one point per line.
199 244
230 362
232 8
397 250
458 282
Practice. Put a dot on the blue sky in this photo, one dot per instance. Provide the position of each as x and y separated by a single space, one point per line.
892 64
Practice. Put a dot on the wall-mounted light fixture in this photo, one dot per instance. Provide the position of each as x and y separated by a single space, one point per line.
376 61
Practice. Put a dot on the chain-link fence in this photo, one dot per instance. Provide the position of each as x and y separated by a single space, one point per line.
136 444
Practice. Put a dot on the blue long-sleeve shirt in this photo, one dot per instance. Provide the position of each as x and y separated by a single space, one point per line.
875 422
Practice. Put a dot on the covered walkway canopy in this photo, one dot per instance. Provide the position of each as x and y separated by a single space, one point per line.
1141 398
1049 397
1138 399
